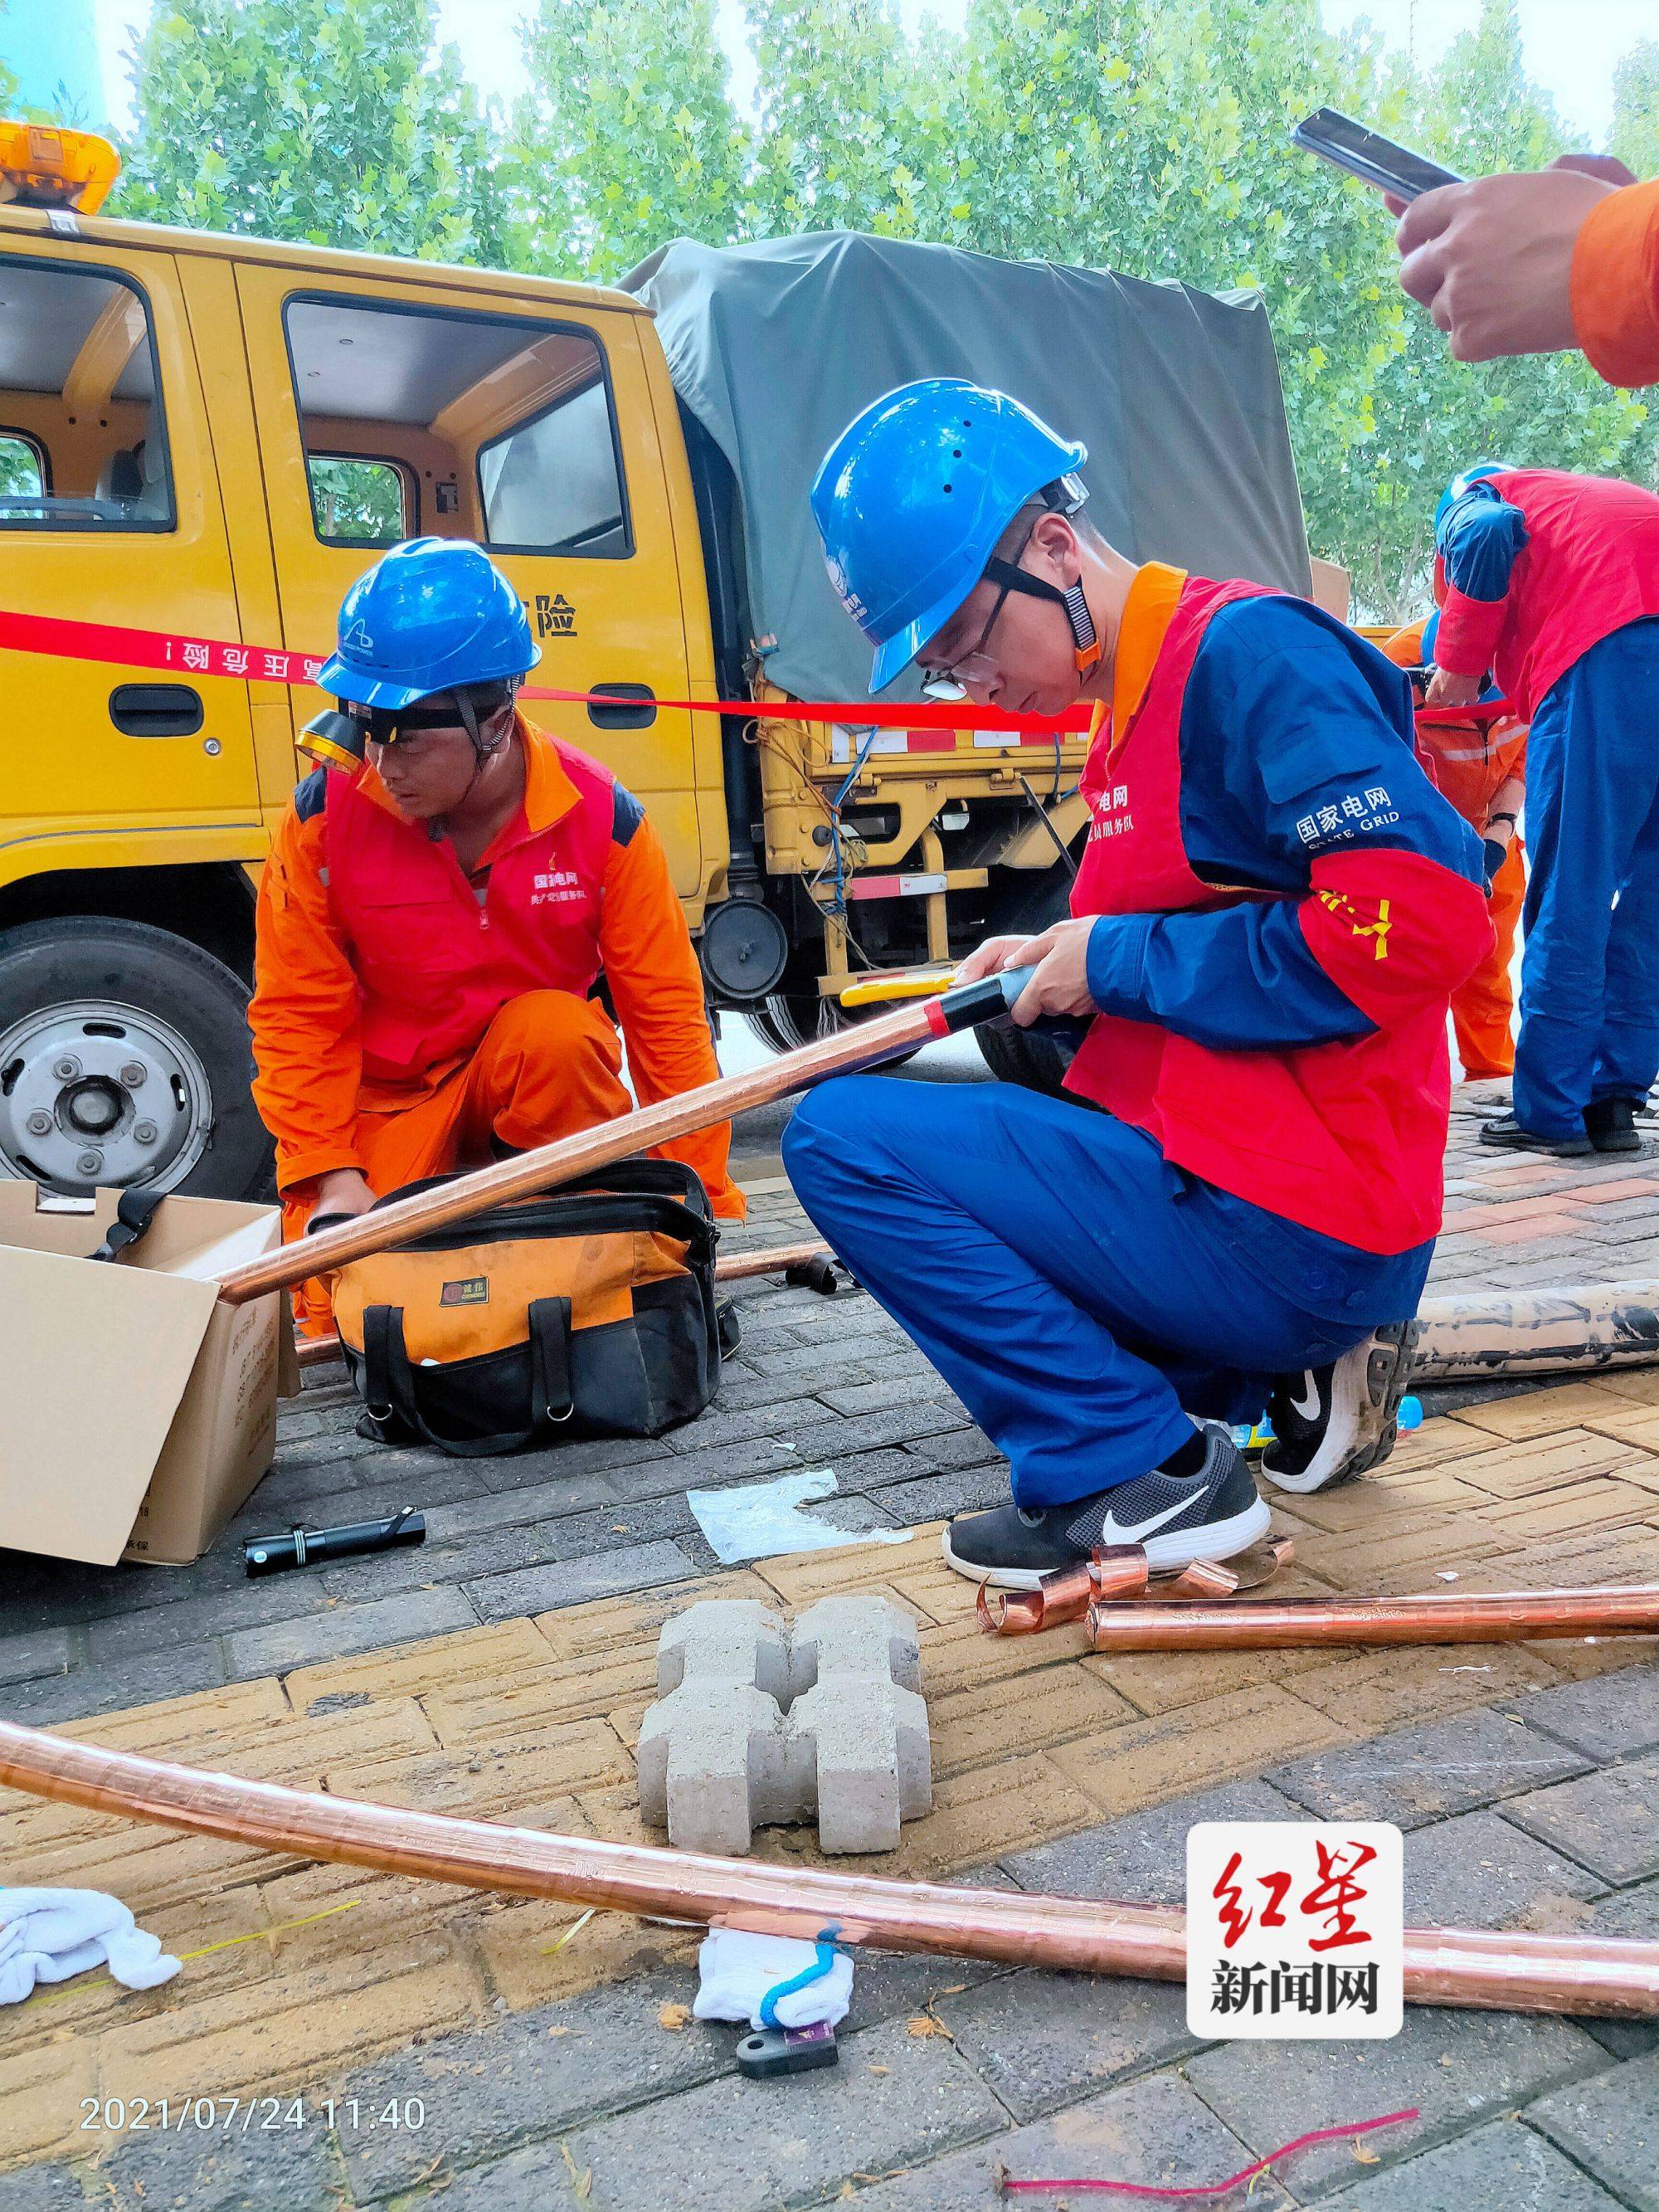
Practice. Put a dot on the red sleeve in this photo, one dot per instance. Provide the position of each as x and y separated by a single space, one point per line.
1615 286
1468 633
657 988
307 1058
1394 930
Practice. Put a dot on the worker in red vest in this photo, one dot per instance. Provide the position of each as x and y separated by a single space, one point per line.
1551 581
1480 766
434 919
1236 1203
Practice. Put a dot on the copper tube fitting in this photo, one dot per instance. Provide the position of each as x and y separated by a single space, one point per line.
1618 1977
1439 1617
1118 1571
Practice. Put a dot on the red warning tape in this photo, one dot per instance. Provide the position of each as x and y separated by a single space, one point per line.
208 656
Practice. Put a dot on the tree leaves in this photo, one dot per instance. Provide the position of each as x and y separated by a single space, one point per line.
1124 133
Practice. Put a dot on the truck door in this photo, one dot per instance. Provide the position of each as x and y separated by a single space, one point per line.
391 409
110 513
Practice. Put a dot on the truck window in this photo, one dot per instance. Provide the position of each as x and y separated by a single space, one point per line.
22 466
360 503
551 484
85 447
503 429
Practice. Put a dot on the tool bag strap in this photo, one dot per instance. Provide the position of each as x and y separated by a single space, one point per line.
133 1215
389 1379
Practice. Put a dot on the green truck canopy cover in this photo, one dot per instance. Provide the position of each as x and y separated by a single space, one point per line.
774 348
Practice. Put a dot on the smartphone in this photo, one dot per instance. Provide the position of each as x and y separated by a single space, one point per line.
1373 160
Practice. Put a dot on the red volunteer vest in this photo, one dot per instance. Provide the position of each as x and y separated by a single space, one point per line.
1347 1138
1590 565
434 967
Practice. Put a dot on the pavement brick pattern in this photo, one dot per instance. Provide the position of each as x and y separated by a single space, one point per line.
503 1672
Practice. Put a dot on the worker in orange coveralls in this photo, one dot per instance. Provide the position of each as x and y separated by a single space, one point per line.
1480 768
438 906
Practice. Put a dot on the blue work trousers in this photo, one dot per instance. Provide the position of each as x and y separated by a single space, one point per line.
1081 1295
1590 968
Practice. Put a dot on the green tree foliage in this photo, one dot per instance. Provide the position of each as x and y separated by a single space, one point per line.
625 136
1635 108
331 121
1130 133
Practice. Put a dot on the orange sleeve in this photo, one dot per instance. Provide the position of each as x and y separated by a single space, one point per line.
1615 285
307 1060
656 986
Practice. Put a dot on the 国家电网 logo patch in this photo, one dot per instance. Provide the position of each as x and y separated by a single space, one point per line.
466 1291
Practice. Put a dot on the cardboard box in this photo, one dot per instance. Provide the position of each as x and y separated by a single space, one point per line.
137 1412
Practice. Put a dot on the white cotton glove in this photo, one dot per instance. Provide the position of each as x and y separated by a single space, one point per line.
47 1934
737 1969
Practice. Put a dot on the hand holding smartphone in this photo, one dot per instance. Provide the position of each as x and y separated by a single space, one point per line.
1373 160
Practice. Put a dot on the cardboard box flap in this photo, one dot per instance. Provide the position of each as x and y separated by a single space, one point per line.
97 1363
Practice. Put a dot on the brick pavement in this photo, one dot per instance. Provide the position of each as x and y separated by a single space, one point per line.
502 1671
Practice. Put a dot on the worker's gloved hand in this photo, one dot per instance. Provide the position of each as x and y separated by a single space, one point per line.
1494 853
341 1196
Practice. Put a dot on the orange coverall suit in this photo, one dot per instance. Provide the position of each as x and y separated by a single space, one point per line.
1470 764
408 1020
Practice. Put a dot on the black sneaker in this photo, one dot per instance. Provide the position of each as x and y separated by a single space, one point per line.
1610 1125
1332 1423
1207 1516
1507 1134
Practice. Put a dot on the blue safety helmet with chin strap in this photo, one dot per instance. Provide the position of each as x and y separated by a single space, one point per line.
1477 473
431 614
912 498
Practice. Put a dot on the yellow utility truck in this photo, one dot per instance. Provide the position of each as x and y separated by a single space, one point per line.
207 438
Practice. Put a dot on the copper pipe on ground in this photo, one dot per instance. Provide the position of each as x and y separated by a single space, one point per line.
1566 1332
1438 1617
1612 1977
589 1150
776 1259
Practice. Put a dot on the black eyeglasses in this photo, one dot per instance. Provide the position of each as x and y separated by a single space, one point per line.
979 666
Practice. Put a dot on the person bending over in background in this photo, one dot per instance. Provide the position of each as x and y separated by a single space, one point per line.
1551 581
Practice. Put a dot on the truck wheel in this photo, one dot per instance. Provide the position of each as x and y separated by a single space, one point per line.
1016 1056
124 1059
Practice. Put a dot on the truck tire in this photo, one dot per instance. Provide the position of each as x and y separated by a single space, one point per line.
1039 1063
124 1059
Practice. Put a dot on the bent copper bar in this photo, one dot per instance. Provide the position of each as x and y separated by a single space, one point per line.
1564 1332
776 1259
865 1045
1257 1624
1614 1977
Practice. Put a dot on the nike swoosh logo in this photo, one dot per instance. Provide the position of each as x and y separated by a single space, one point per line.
1310 1411
1110 1528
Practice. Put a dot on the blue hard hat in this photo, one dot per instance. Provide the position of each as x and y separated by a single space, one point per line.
1454 490
911 500
429 614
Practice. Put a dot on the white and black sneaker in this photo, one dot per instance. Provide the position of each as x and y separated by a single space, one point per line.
1175 1518
1332 1423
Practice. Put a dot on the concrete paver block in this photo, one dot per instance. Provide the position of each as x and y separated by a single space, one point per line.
754 1725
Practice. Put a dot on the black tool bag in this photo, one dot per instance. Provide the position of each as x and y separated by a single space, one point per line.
588 1312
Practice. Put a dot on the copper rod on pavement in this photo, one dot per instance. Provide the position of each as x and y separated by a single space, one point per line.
1254 1624
776 1259
1615 1976
865 1046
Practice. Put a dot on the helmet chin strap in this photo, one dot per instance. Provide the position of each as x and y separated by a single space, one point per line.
1085 642
483 754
